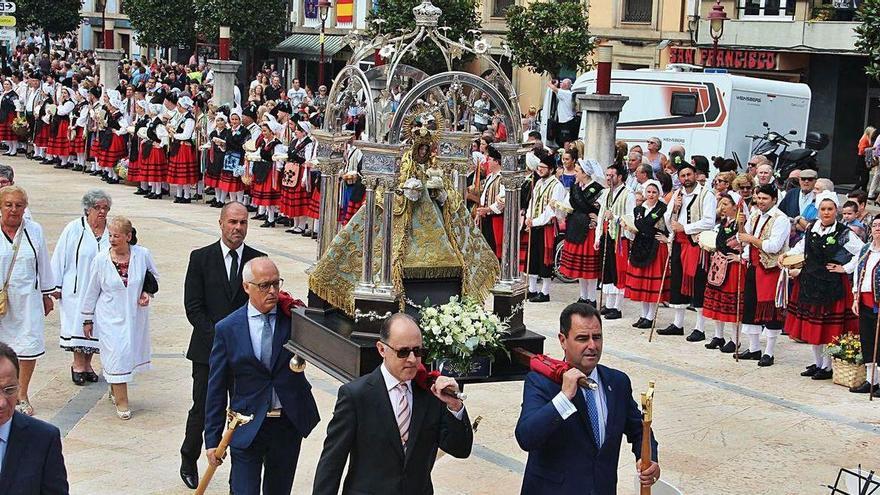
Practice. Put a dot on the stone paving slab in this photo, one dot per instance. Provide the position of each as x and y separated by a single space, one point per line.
723 427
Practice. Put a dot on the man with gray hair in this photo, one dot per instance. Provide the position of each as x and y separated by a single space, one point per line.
566 117
633 162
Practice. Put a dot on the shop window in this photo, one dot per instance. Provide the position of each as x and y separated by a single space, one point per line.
757 9
637 11
684 104
499 7
100 5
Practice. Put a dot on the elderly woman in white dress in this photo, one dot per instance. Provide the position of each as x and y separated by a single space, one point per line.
28 281
80 241
115 309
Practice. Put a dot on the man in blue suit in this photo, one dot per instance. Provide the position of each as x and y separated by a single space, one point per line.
248 345
573 434
31 462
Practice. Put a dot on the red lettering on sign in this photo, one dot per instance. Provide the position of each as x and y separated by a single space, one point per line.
728 59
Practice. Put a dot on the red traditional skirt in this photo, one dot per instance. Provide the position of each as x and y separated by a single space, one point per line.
41 139
183 167
211 179
720 303
154 168
350 210
523 250
229 183
621 259
820 323
295 201
765 292
59 145
643 282
315 204
135 167
267 193
107 158
581 260
78 145
6 133
690 260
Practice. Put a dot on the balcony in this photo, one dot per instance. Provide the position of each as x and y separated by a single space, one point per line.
809 26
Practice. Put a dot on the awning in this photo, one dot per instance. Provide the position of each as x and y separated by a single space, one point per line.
308 46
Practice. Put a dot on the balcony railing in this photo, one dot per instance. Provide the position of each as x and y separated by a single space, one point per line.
842 11
638 11
770 9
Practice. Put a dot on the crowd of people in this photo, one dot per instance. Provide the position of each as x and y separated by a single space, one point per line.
752 254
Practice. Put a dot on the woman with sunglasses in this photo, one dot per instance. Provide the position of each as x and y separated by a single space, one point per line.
657 160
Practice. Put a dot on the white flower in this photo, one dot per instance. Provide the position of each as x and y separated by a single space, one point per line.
387 51
448 340
481 45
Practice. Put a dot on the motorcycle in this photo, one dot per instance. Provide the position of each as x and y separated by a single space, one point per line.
775 147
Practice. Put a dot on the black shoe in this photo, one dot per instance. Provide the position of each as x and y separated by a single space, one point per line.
646 324
140 192
292 231
178 199
823 374
314 235
217 204
150 195
210 190
529 294
307 233
261 216
90 376
155 196
77 377
671 330
864 388
60 166
638 322
283 221
112 181
696 336
729 347
613 314
197 197
541 297
189 473
876 393
691 307
603 311
77 168
251 208
766 360
749 356
267 224
715 343
185 201
810 370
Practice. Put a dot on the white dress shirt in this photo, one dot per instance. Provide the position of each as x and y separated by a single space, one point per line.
498 206
394 393
565 407
867 281
779 233
804 200
697 225
564 106
227 260
255 329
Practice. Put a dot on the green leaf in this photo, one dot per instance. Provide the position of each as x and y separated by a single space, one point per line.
52 16
868 35
550 37
162 23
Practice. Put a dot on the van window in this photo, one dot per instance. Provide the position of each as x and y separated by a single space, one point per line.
683 104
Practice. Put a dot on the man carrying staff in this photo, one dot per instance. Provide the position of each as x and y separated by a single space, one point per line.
541 230
765 236
692 211
490 213
616 202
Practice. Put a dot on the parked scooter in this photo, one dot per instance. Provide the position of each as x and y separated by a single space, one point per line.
775 147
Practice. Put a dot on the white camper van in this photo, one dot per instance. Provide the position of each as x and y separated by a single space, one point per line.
709 114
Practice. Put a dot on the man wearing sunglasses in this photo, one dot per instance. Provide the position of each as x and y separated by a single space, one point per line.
387 427
249 352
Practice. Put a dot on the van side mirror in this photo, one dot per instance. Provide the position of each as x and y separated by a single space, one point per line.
765 124
792 132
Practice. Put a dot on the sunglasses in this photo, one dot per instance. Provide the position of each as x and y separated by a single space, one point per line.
404 352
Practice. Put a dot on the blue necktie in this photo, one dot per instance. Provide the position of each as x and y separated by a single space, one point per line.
266 354
593 414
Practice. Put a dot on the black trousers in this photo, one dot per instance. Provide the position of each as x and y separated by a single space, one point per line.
273 453
195 420
536 256
867 331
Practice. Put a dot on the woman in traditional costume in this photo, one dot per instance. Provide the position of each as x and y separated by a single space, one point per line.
138 130
111 144
154 158
59 141
648 255
183 163
216 156
723 300
865 303
820 307
8 103
230 185
265 187
580 259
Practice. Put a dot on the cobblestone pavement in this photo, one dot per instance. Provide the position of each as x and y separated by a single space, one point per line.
723 428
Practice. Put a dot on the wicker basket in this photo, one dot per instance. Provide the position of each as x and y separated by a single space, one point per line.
848 374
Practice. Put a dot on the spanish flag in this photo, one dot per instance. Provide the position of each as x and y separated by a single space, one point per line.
344 11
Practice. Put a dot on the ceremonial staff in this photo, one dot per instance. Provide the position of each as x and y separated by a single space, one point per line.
604 253
647 417
235 420
741 229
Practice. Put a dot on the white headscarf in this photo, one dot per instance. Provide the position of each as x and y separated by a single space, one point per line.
651 182
185 101
829 196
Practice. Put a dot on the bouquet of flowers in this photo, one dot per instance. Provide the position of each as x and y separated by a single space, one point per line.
846 347
460 330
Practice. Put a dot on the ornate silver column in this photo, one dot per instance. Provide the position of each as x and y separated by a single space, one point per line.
454 154
330 157
366 282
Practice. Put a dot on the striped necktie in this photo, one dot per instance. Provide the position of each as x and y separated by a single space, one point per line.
403 414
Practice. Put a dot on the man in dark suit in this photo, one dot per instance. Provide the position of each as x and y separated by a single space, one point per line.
249 351
573 434
388 428
212 290
31 462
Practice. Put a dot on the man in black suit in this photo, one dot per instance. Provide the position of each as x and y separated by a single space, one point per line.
212 290
31 462
388 428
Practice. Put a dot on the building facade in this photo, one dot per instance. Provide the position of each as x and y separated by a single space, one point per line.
95 14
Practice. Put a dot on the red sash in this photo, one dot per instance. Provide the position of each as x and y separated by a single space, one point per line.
549 243
765 280
690 260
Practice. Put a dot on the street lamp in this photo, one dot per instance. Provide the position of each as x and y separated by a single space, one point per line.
716 24
323 11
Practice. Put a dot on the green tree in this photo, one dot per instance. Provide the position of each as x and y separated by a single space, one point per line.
162 22
252 23
51 16
868 35
459 15
550 37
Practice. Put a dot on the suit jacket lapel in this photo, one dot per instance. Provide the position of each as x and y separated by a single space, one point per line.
14 451
219 262
581 404
385 415
280 334
420 406
244 338
610 403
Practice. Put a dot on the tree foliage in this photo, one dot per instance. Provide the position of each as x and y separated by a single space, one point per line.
549 37
253 23
459 15
52 16
868 35
162 22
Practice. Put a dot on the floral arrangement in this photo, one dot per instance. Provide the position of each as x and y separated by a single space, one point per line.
846 347
460 330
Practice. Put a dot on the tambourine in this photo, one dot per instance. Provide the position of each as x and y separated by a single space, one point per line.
628 222
793 261
250 146
707 240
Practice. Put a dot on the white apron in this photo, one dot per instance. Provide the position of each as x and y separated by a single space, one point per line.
71 261
120 324
22 326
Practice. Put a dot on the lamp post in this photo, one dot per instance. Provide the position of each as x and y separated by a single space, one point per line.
323 11
716 26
